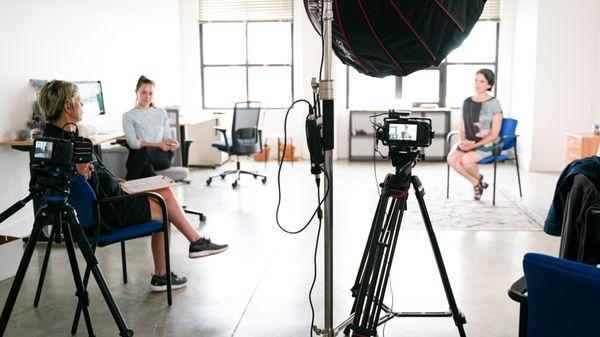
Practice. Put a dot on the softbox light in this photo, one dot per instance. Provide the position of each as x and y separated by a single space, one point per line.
396 37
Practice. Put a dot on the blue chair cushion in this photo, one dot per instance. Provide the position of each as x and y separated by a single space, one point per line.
490 159
130 232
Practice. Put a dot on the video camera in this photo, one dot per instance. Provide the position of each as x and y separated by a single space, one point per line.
53 159
54 151
400 130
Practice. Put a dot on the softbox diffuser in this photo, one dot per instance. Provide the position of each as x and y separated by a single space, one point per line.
397 37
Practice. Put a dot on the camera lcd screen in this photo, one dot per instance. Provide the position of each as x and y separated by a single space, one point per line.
407 132
43 149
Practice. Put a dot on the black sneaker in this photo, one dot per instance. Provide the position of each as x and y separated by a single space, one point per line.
159 283
203 247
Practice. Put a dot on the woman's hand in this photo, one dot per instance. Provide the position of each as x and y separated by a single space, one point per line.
467 145
164 146
173 143
85 170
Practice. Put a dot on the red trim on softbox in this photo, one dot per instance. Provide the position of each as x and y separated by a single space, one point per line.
449 15
413 30
337 11
377 37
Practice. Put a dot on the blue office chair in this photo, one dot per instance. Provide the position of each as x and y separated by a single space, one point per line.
506 141
557 297
83 199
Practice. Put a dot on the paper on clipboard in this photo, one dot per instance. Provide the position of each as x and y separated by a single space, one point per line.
147 184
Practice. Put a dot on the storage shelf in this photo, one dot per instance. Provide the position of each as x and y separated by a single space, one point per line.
361 146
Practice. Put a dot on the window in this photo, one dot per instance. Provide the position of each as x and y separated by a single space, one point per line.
447 85
239 63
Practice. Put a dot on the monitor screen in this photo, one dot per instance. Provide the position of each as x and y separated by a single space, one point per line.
403 132
43 150
90 92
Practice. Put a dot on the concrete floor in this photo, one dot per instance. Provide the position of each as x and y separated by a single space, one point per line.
260 286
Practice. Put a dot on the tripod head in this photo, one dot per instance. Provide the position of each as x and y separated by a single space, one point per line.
404 158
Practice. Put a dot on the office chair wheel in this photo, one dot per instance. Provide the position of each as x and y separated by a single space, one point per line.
264 180
208 181
347 331
222 176
202 218
254 175
234 184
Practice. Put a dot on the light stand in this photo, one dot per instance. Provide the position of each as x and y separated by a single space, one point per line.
327 96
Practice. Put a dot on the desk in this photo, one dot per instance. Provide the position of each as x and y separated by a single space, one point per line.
97 140
200 129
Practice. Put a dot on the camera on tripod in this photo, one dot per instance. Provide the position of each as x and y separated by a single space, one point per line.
400 130
53 161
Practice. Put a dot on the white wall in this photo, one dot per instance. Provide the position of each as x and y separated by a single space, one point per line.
555 76
190 57
112 41
520 104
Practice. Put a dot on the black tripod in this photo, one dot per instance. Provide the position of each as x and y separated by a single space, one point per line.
62 216
372 279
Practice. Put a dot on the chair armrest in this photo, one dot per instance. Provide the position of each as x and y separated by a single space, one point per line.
224 132
450 135
123 142
498 142
518 290
149 195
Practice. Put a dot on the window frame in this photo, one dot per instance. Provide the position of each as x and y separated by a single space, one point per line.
246 65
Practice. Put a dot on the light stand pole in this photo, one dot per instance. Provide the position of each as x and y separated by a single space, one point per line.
327 96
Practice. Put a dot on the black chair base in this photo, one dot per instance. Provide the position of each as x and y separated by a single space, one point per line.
195 212
238 173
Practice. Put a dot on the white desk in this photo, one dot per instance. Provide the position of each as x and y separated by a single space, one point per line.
200 129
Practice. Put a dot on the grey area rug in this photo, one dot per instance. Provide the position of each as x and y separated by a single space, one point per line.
461 212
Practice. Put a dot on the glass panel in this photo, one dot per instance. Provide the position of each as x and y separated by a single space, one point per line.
224 86
224 43
422 86
370 93
461 81
270 43
479 46
272 86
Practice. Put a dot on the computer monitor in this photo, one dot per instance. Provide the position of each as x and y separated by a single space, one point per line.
90 92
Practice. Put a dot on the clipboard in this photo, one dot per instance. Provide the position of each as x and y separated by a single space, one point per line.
147 184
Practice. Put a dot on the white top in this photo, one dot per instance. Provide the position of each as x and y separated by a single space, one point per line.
149 125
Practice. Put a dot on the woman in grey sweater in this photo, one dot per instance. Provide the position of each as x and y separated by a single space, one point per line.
479 128
148 134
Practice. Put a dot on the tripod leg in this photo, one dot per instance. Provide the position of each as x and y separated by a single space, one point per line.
459 318
376 264
86 278
54 235
92 263
16 285
367 263
82 294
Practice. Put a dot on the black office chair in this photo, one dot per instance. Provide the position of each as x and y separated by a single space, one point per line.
246 139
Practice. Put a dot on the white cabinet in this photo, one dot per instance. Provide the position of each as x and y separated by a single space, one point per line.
201 152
